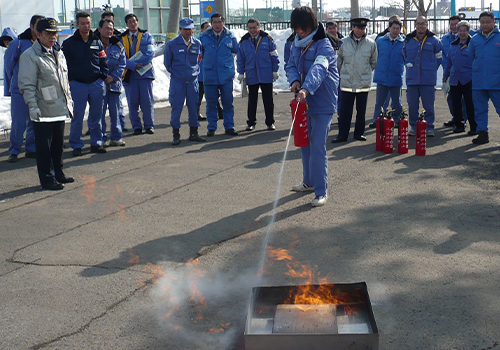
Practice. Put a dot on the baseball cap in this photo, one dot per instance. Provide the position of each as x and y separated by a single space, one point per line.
47 24
186 23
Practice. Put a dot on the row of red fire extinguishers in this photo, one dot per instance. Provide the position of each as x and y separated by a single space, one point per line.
385 130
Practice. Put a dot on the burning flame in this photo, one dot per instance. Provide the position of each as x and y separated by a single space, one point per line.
134 259
222 328
315 289
89 187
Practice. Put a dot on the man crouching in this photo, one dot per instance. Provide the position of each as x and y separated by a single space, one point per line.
43 81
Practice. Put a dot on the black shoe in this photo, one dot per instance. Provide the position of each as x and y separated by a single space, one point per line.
372 125
211 133
30 155
97 149
360 138
221 116
481 139
472 133
196 137
177 140
77 152
150 131
53 186
450 123
87 133
64 179
231 132
201 118
137 131
250 128
12 158
271 127
458 128
339 139
124 129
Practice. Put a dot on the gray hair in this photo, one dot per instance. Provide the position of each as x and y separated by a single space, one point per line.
463 24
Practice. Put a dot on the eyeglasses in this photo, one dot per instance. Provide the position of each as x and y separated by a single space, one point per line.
421 24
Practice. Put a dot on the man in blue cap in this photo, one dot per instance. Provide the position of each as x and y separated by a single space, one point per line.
181 60
18 108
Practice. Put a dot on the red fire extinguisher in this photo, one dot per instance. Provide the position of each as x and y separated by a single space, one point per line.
421 135
388 145
299 116
379 122
403 133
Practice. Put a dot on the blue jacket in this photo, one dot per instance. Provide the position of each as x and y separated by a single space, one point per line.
288 47
6 33
459 65
318 75
200 63
12 55
446 40
390 63
86 61
485 54
218 67
422 59
259 62
147 48
181 61
116 63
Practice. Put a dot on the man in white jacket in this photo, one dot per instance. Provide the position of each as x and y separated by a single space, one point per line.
43 81
357 58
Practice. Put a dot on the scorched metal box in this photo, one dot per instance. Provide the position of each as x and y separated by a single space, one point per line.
355 324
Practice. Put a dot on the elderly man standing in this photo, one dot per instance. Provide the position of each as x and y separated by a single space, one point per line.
18 108
181 61
219 45
423 53
43 81
258 60
357 58
484 48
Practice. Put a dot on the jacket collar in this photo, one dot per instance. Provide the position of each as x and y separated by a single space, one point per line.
26 35
413 34
320 34
125 33
457 40
388 37
248 36
92 35
495 30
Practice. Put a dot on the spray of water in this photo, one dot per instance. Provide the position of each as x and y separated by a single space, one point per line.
189 299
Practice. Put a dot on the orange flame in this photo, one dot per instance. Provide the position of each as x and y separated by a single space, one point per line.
222 328
156 271
89 187
134 259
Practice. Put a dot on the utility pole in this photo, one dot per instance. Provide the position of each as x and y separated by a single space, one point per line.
354 9
173 20
220 7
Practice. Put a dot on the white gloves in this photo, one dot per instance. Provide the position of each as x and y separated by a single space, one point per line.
241 77
276 75
35 114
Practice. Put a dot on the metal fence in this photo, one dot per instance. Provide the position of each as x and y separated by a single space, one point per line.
437 26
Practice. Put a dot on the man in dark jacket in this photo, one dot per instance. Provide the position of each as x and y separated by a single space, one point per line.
258 60
87 70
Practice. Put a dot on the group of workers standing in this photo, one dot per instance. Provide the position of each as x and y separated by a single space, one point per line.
49 84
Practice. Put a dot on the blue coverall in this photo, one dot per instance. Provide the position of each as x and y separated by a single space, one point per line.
181 62
19 110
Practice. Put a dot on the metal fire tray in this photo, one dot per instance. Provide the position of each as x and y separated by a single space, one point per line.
273 323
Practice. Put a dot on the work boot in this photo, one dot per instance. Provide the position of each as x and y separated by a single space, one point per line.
177 138
482 138
193 135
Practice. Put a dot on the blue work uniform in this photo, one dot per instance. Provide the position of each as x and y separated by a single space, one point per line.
19 110
288 47
87 69
422 61
389 73
6 33
485 53
218 74
181 61
116 64
139 83
315 67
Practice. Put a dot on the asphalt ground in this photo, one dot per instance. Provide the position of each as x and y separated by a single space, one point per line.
105 263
